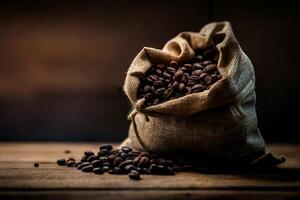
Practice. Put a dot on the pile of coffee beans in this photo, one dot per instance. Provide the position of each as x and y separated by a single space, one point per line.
164 82
124 161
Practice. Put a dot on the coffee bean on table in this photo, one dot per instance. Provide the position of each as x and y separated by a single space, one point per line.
36 164
91 158
88 153
70 163
61 162
105 168
87 168
98 170
106 146
134 175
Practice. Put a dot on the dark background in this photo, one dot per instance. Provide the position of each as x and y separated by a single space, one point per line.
62 63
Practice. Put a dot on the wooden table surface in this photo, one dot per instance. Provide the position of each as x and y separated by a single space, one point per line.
20 180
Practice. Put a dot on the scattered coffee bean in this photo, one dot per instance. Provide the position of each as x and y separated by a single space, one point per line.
36 164
87 168
134 175
61 162
164 82
124 161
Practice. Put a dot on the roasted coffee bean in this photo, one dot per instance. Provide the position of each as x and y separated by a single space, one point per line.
125 163
96 163
115 170
123 155
197 88
105 168
174 64
178 75
128 168
148 96
210 67
103 152
106 146
158 72
156 101
171 70
158 83
111 157
88 153
126 149
160 91
161 161
61 162
36 164
161 66
167 75
197 72
98 170
153 77
177 168
145 154
70 163
70 159
207 80
153 168
91 158
170 171
207 62
144 162
198 65
83 158
87 168
147 89
83 164
106 164
136 160
117 161
134 175
103 159
203 75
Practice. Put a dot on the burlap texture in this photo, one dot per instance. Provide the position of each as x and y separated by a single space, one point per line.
219 122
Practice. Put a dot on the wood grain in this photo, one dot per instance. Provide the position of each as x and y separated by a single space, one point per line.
17 175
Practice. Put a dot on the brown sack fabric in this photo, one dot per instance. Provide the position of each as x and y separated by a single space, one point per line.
220 122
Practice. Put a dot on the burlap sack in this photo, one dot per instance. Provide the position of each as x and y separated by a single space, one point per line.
218 123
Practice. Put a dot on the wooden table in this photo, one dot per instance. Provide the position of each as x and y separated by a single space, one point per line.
20 180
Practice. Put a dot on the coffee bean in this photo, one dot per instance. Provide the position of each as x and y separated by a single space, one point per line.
36 164
145 154
115 170
128 168
126 149
61 162
134 175
158 83
161 161
198 65
83 164
87 168
203 75
143 162
136 160
210 68
187 167
105 168
207 80
148 96
197 72
156 101
207 62
160 91
91 158
117 161
174 64
98 170
96 163
167 75
153 77
106 146
161 66
125 163
88 153
111 157
197 88
169 163
70 163
83 158
103 159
